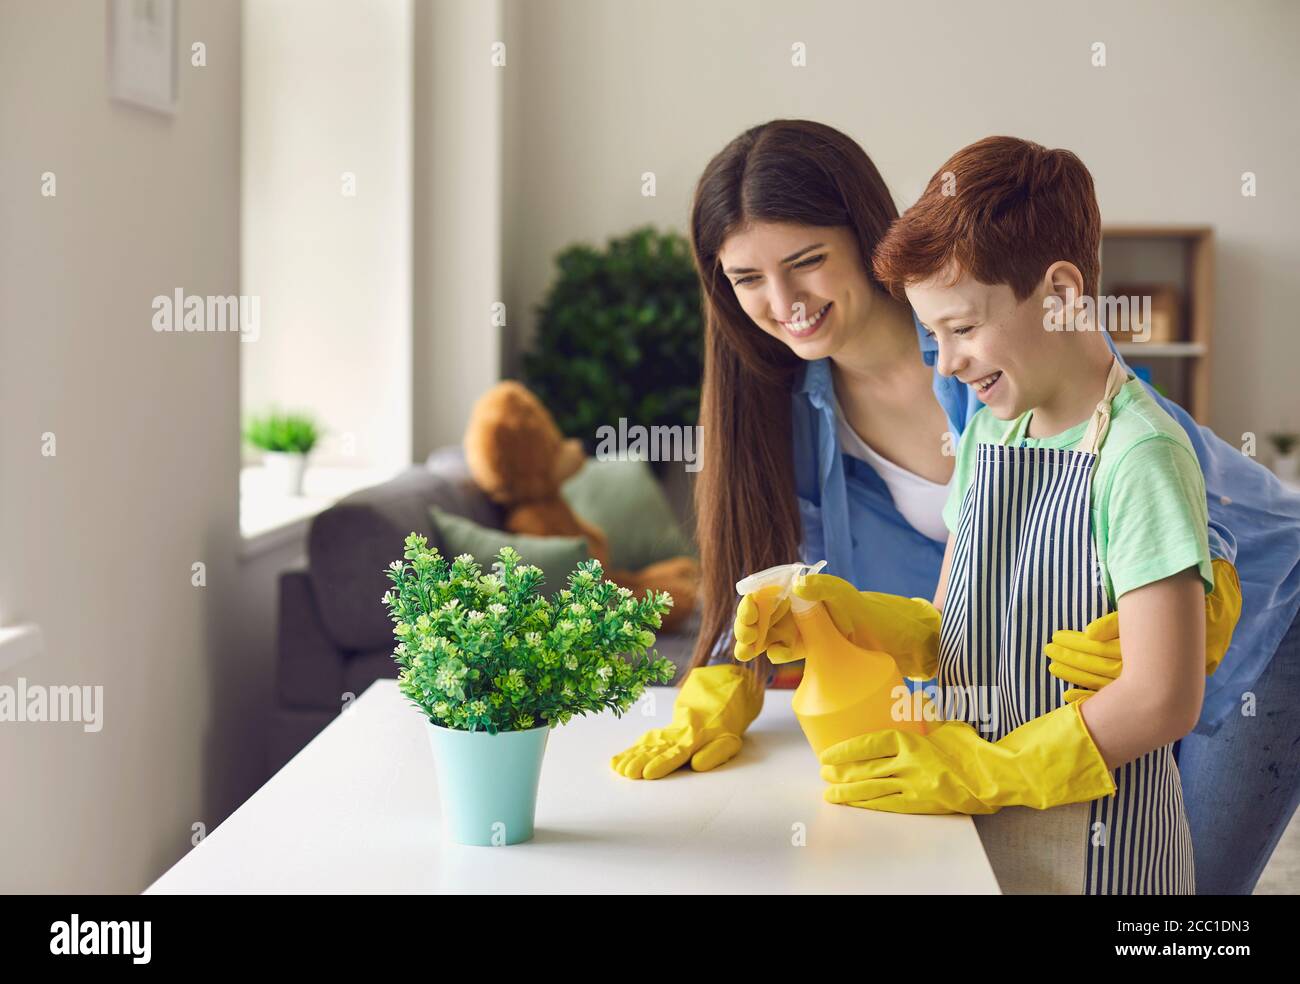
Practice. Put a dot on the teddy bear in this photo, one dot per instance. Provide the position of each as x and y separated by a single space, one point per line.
518 457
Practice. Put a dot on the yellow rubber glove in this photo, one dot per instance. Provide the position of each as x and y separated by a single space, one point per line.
1091 659
906 628
714 707
1049 761
764 624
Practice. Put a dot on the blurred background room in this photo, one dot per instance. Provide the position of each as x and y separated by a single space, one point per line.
413 200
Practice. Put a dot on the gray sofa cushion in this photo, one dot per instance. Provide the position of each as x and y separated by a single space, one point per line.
365 668
351 544
309 672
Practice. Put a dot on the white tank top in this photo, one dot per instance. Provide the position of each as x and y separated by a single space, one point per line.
917 499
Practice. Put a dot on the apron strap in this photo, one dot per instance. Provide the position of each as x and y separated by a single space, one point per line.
1099 424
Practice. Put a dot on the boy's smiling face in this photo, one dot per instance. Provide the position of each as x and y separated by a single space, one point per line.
990 340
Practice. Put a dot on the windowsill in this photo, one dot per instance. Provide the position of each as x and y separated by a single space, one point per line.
269 518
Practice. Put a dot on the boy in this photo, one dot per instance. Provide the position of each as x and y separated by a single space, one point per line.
1074 495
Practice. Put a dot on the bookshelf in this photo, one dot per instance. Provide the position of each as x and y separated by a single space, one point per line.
1176 264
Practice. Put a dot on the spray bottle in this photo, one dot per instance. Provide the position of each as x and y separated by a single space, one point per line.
846 691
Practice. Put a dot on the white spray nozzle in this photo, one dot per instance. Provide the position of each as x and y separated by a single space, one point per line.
783 575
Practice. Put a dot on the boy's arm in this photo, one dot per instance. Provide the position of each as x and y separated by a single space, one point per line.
1092 659
1162 497
1157 700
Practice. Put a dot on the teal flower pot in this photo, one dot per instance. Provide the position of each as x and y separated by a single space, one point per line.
487 784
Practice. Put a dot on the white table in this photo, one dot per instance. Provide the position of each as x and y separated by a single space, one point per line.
356 811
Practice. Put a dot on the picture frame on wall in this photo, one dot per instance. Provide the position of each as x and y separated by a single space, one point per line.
142 53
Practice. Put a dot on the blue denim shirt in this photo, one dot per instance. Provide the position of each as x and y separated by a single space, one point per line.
847 512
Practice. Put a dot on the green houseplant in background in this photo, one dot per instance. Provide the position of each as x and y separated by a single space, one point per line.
620 334
285 440
1286 459
493 664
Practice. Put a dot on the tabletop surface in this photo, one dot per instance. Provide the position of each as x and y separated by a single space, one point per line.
356 811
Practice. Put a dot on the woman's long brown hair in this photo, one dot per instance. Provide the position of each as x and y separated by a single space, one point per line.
747 516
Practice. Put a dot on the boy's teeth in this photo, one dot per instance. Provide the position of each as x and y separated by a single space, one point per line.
989 380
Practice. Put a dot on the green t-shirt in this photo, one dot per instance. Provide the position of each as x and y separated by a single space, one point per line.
1149 515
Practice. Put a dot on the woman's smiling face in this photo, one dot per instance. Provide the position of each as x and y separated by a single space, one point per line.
804 285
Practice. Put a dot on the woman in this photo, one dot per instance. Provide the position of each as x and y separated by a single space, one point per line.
808 362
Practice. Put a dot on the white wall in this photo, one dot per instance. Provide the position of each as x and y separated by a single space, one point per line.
458 214
1194 93
97 542
327 90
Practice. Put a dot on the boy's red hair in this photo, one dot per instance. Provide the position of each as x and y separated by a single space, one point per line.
1005 210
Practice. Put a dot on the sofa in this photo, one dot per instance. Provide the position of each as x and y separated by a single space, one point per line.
333 635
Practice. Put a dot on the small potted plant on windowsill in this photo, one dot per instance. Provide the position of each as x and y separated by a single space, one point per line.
285 440
1286 459
493 664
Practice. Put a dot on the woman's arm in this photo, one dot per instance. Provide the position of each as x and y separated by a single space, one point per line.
1157 698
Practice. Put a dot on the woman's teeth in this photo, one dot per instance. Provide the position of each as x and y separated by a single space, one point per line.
983 385
808 325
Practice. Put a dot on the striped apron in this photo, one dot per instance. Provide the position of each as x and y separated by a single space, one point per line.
1024 565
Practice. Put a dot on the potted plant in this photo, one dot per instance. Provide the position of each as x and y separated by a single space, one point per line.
1286 459
620 334
493 664
285 440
